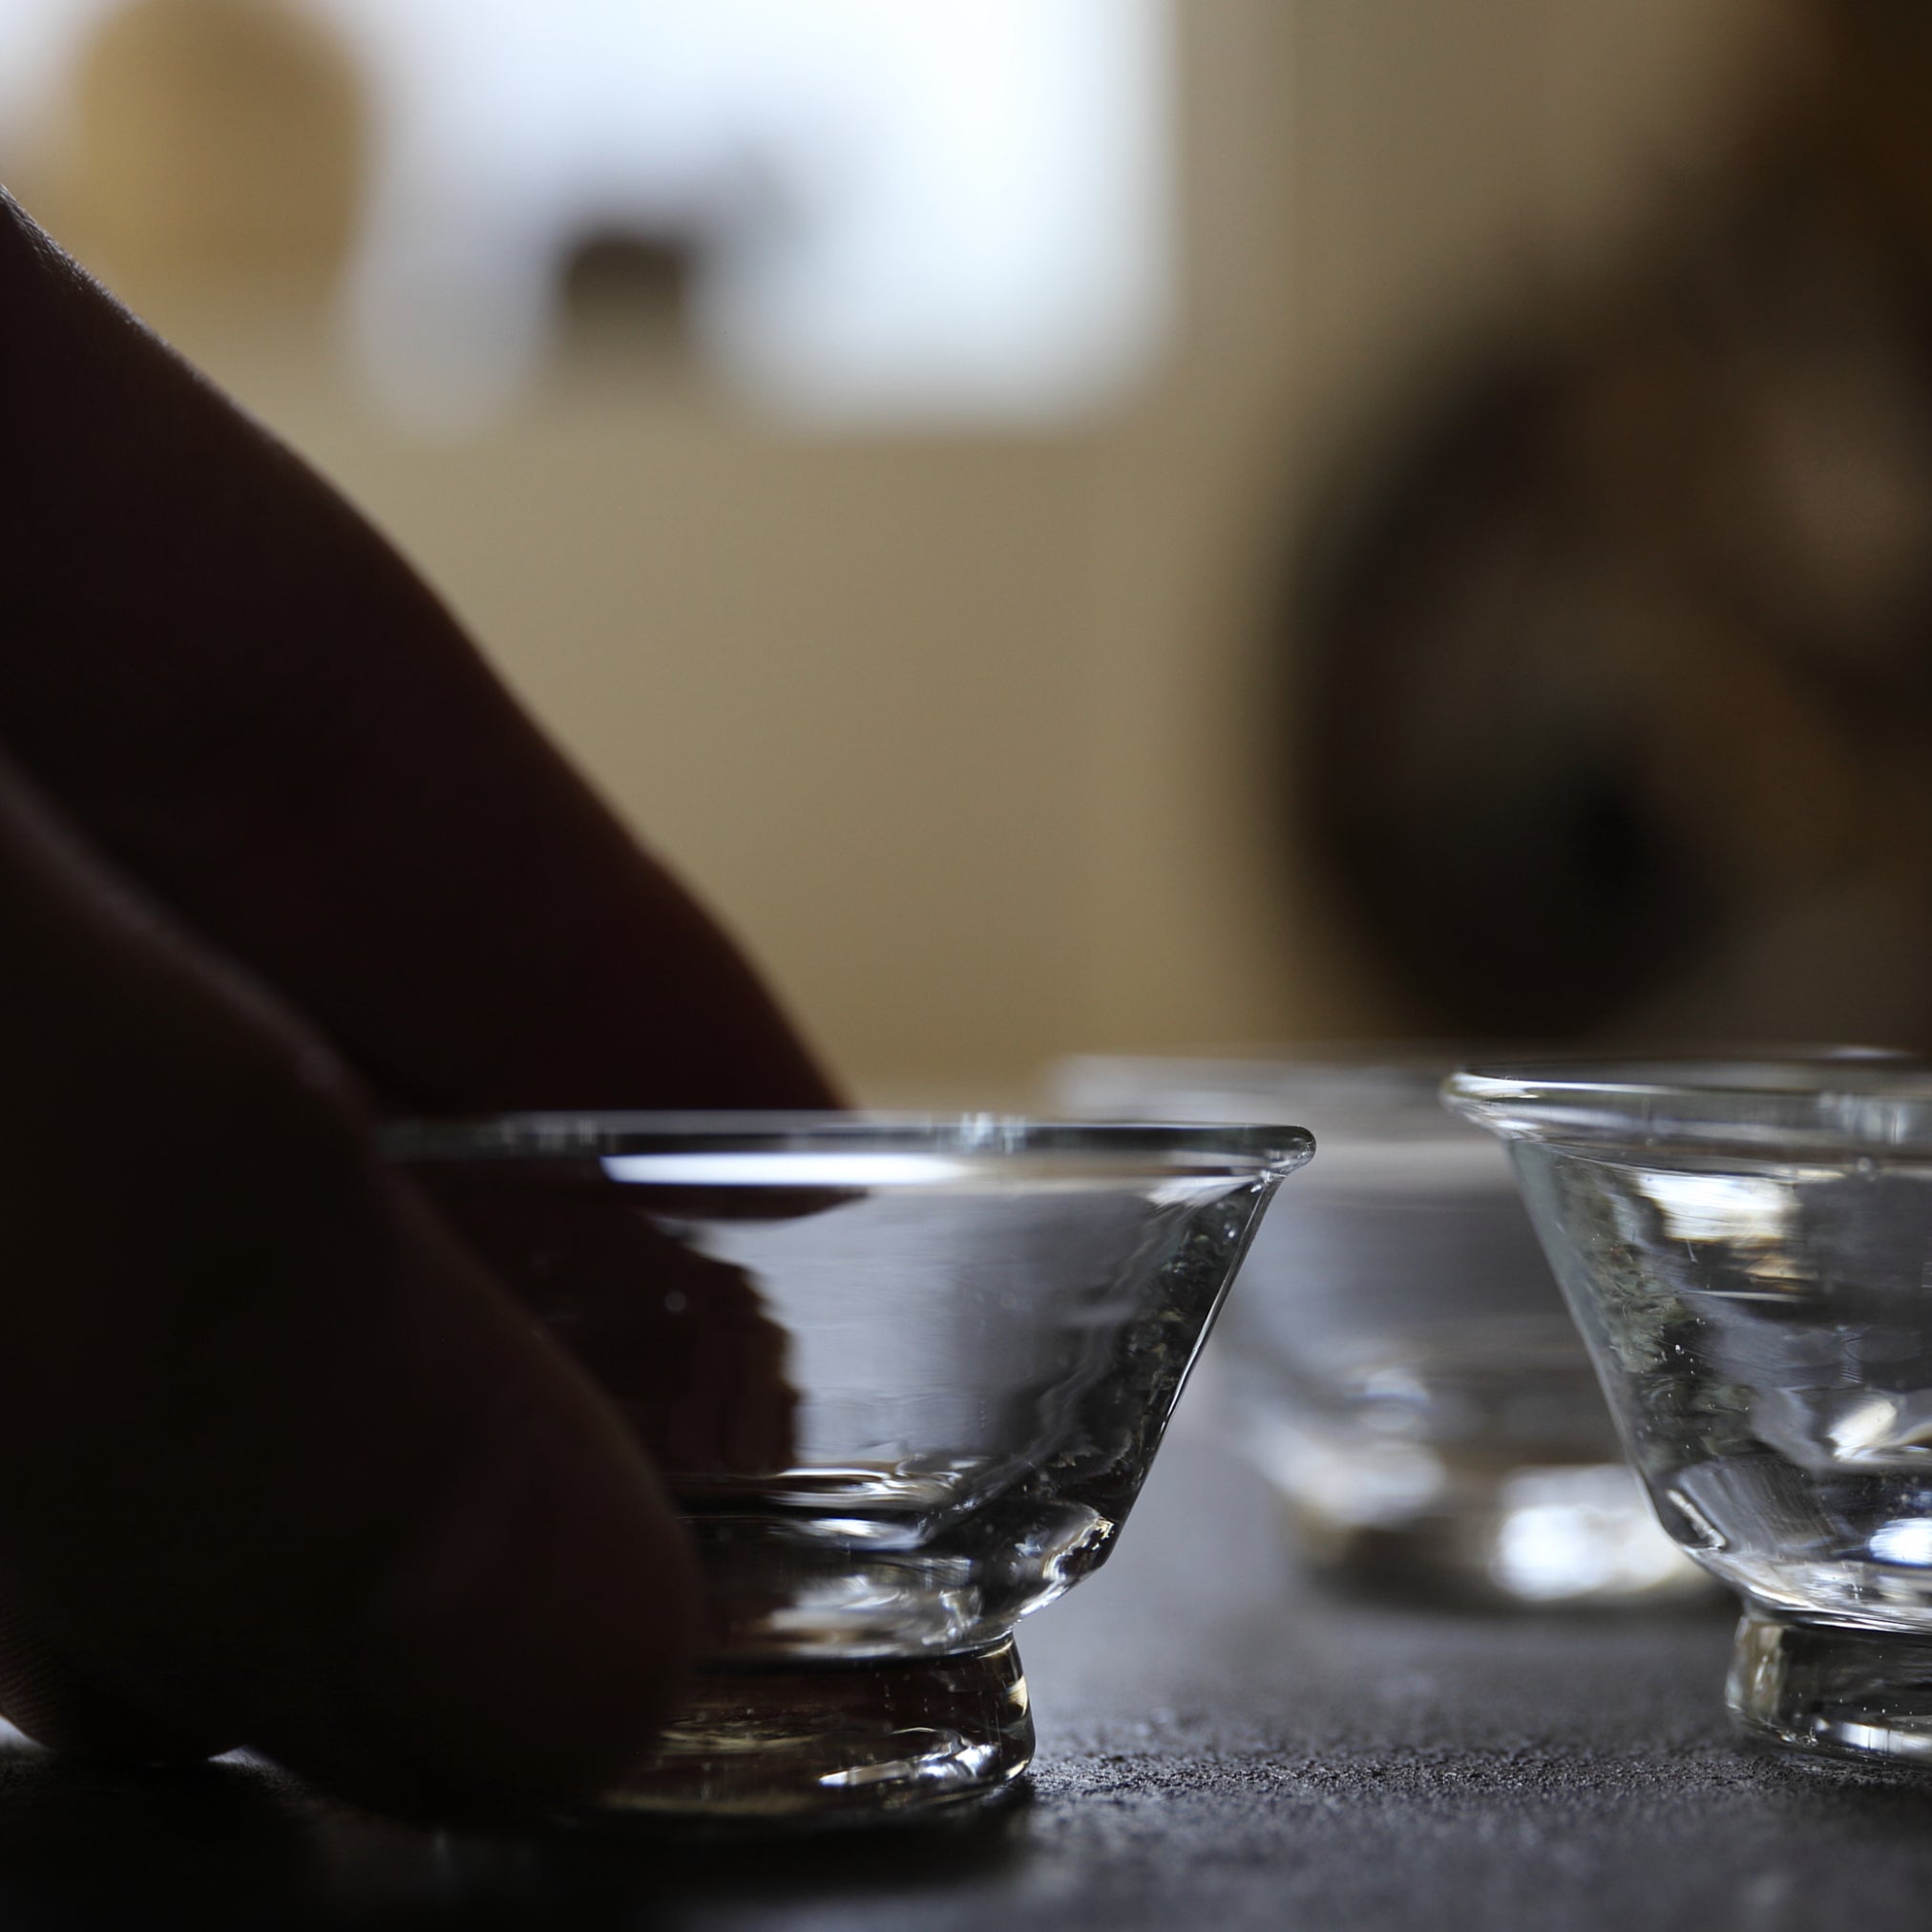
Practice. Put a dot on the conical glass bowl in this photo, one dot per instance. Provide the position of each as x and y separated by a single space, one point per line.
1747 1247
904 1379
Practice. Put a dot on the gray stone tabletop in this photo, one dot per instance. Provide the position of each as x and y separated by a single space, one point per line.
1219 1746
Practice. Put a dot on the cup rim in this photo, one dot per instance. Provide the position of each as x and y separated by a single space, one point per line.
1365 1085
1156 1148
1389 1090
1836 1103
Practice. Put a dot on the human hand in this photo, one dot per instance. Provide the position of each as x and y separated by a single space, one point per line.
280 1461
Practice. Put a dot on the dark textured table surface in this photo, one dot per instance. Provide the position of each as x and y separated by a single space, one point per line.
1218 1747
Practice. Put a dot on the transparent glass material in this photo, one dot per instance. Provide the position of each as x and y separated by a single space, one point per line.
904 1379
1398 1360
1748 1248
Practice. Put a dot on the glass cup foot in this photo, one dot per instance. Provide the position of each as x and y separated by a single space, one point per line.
798 1744
1833 1690
1494 1534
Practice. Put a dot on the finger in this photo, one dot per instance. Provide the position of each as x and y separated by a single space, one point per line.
681 1342
277 1463
244 696
69 1707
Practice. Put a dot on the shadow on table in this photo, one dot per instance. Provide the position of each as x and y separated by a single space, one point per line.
84 1844
233 1843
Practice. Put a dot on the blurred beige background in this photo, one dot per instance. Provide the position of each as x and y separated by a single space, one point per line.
966 735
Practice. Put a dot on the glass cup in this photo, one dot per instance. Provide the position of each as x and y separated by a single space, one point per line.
904 1380
1748 1248
1398 1362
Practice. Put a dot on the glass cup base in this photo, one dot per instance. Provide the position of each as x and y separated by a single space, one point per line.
1828 1689
816 1744
1500 1536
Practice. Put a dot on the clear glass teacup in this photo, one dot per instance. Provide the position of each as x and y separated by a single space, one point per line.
1398 1362
904 1379
1747 1250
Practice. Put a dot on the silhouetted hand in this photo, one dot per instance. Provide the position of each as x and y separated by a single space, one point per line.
280 1462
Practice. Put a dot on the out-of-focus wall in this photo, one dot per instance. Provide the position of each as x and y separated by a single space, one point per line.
970 737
